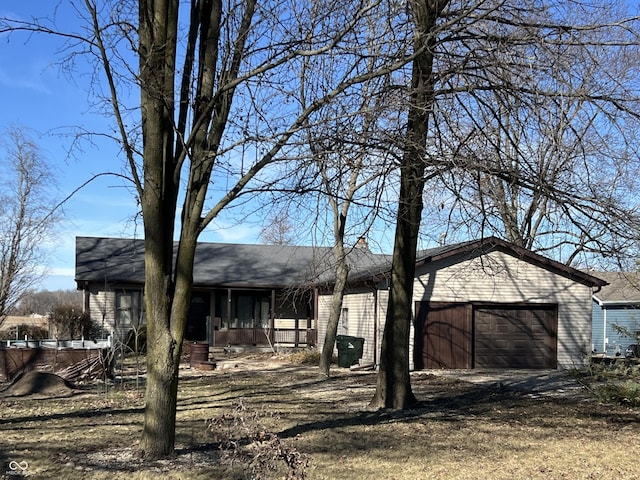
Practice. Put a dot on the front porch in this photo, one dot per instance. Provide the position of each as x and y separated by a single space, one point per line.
253 318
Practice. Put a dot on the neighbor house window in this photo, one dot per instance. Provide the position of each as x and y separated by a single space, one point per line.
129 308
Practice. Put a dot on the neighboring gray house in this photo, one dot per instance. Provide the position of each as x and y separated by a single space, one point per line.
483 303
616 313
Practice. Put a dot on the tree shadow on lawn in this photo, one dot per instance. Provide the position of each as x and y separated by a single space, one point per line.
491 403
76 414
454 407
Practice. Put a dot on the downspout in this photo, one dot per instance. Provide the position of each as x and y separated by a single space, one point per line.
85 298
604 330
604 320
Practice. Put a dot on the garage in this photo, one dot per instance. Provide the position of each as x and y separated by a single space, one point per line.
482 303
468 335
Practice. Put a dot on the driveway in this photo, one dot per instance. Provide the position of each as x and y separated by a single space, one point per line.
533 382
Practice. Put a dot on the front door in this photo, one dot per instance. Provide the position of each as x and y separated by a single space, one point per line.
197 319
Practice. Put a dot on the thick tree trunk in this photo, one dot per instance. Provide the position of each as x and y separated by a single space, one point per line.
393 389
158 438
158 23
165 333
394 383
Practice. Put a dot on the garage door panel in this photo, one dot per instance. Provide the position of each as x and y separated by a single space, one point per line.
515 337
444 336
503 336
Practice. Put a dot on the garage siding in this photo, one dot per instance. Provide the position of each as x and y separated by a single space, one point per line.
497 277
360 306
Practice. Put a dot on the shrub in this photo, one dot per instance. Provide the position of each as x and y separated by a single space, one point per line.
31 331
68 321
309 356
305 357
615 382
625 393
245 442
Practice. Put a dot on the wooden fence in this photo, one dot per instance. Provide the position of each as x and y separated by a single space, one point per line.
72 364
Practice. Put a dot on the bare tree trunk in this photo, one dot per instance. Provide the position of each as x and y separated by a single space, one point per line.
342 272
393 389
159 200
27 216
158 437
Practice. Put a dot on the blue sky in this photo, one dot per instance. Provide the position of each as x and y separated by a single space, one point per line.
36 95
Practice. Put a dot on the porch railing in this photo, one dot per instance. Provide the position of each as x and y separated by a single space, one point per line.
264 337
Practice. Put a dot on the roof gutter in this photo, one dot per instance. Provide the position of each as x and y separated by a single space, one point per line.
617 303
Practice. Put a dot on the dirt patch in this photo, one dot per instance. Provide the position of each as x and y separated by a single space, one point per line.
38 383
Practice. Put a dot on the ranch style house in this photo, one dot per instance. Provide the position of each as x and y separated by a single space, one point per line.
478 304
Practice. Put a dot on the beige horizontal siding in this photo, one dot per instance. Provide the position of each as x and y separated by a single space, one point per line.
361 312
102 309
497 278
501 278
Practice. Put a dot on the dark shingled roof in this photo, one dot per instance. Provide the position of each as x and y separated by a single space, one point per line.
476 247
118 260
472 248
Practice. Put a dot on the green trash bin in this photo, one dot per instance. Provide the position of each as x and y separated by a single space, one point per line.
359 344
350 350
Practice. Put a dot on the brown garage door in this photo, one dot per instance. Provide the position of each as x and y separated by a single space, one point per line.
443 336
515 337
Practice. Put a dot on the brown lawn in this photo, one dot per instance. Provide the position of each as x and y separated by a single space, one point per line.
268 409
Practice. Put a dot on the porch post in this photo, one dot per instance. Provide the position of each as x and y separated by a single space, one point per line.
272 317
316 326
230 333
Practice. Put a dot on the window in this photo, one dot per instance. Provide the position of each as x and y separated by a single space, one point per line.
129 308
344 321
247 309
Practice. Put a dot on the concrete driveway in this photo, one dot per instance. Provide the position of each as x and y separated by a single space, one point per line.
533 382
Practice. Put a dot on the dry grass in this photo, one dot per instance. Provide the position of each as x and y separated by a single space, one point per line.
459 430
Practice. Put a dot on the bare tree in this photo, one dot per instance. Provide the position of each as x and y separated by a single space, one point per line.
278 230
550 163
351 161
27 216
42 302
216 110
393 389
468 54
351 146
